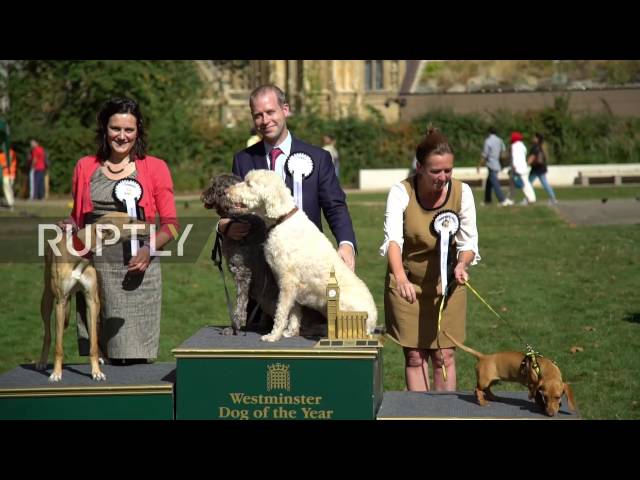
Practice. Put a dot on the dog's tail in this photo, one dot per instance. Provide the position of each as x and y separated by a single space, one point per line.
372 320
464 347
569 393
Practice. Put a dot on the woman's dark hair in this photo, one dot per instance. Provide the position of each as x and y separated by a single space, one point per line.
540 138
434 143
111 107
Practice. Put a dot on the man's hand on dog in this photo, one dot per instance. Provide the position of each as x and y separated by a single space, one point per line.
235 231
346 253
140 262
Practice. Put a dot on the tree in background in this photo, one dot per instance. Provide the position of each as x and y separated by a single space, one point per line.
56 102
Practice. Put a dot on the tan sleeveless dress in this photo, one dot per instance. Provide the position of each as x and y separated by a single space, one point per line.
416 325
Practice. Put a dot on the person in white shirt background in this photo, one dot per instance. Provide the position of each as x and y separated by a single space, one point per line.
520 170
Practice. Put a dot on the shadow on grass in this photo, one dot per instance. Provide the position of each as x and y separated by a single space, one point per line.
632 317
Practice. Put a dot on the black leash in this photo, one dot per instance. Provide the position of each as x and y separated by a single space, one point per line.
216 257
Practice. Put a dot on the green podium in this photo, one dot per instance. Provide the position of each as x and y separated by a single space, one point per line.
240 377
140 392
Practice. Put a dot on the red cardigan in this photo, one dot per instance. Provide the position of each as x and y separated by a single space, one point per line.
157 191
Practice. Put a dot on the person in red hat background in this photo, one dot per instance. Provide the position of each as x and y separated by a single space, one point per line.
519 171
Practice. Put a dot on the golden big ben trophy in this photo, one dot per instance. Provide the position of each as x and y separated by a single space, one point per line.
345 329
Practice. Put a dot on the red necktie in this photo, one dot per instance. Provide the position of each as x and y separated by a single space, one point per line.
273 154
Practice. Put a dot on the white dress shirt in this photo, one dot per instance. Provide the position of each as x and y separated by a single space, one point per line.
397 202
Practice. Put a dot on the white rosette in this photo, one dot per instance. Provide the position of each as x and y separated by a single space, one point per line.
300 166
129 191
445 225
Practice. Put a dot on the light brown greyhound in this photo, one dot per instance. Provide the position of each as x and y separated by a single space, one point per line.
508 367
66 273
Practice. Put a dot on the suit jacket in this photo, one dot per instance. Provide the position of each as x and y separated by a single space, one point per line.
320 191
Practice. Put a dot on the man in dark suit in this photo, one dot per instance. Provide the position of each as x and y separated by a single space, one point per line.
320 191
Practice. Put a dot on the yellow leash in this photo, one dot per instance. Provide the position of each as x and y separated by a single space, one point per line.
482 300
490 308
444 372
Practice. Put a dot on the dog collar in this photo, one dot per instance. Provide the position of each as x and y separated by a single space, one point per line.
283 218
530 358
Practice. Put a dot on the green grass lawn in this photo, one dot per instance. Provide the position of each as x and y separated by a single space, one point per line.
556 287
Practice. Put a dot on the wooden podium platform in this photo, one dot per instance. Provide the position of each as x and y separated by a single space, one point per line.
241 377
130 392
464 406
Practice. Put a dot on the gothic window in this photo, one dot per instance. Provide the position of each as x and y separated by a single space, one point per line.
379 75
373 75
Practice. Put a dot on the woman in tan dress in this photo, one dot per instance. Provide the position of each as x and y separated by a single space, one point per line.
413 290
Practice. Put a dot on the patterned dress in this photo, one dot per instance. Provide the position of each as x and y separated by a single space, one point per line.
130 305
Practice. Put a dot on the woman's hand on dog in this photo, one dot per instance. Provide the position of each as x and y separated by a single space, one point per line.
62 224
140 262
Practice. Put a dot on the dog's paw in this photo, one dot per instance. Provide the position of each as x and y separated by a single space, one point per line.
288 333
99 376
55 377
41 366
272 337
227 331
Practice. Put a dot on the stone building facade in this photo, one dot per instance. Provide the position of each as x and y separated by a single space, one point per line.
333 88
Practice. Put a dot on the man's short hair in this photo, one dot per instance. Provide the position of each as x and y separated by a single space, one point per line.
492 130
262 89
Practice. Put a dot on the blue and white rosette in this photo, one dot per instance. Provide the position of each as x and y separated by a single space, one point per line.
445 225
300 166
129 191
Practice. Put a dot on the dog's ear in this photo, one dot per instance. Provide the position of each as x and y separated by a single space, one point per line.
566 388
539 387
538 395
533 375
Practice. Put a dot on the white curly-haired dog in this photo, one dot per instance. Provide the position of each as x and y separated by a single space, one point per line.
300 256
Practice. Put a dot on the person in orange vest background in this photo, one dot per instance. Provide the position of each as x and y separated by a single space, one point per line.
8 175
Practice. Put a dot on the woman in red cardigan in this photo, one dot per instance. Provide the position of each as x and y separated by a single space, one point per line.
130 282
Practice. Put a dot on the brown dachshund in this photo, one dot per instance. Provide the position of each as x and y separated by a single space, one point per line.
547 387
